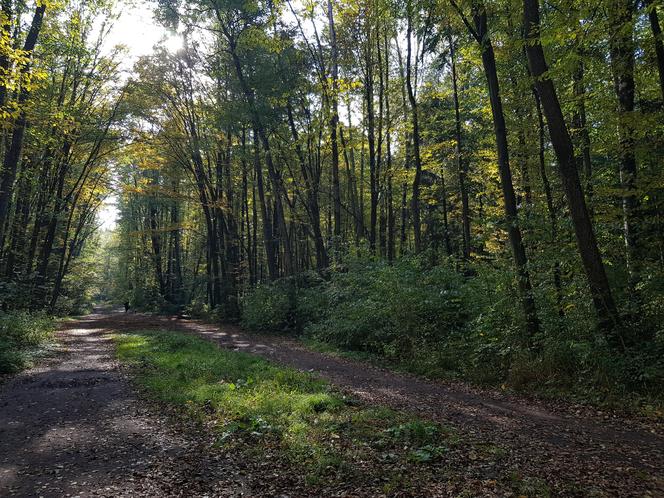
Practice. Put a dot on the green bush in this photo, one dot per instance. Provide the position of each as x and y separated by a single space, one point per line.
392 310
436 321
288 304
21 335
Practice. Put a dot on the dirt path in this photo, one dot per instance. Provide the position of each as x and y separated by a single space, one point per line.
555 443
75 427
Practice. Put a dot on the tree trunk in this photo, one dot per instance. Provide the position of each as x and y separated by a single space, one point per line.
371 142
480 33
550 206
155 240
621 48
268 237
462 165
312 188
415 199
657 39
564 150
388 151
334 125
581 128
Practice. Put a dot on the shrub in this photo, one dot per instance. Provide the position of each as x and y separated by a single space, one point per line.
21 334
288 304
436 321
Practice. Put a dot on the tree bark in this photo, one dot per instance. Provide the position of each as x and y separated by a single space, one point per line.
334 124
371 140
462 165
621 48
415 199
480 32
592 260
657 39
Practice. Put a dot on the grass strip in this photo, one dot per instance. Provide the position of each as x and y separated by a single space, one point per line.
262 407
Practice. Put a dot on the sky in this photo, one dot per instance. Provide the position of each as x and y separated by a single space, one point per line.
139 32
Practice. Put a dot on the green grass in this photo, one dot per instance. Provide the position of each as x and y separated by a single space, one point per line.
256 405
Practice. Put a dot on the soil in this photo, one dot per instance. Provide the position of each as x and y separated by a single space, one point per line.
74 426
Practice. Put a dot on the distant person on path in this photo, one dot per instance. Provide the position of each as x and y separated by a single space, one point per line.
126 305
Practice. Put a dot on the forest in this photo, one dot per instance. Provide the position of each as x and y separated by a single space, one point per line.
464 190
475 184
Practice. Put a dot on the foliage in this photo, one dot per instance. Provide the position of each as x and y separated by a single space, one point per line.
436 322
287 304
60 103
387 177
21 335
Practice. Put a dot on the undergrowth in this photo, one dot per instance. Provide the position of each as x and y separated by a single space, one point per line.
438 321
22 336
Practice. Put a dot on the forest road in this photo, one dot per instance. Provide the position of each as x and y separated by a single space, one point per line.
550 440
74 425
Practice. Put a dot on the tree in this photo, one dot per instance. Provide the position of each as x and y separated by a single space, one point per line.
562 144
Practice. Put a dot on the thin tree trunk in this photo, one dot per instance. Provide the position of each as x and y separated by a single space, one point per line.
550 206
270 253
313 208
371 142
415 199
621 48
480 33
581 127
462 165
334 124
388 151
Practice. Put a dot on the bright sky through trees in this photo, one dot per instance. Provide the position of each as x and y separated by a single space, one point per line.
138 31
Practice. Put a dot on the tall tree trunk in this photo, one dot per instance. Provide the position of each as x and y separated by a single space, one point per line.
480 33
334 124
550 206
415 199
379 148
274 175
659 42
388 151
621 48
446 225
564 149
371 141
312 189
268 237
19 225
155 239
462 165
176 236
581 127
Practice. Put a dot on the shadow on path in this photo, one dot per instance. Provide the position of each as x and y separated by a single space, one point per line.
551 442
74 427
